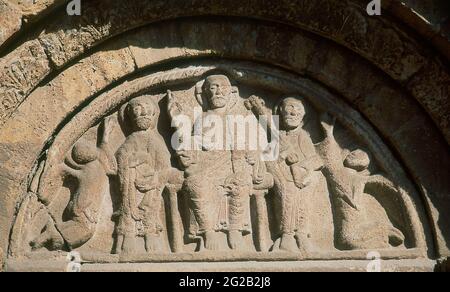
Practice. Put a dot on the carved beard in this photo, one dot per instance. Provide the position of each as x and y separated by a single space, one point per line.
144 123
218 101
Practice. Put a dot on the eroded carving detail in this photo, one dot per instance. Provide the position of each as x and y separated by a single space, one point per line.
90 166
358 225
144 168
323 193
296 174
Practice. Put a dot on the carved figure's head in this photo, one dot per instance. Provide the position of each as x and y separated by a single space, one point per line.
358 160
84 152
218 91
142 113
292 112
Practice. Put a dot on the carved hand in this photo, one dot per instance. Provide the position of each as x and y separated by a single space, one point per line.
137 214
292 158
256 104
305 183
252 158
258 179
173 107
328 122
236 182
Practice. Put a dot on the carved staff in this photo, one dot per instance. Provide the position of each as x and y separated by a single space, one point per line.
263 219
177 235
260 192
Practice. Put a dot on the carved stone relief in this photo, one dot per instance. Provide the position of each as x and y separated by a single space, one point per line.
112 184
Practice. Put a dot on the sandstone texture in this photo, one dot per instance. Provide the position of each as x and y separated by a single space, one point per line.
209 135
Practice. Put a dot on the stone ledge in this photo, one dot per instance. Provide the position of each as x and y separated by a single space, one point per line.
422 265
205 256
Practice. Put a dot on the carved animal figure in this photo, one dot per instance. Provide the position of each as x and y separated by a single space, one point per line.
356 226
90 166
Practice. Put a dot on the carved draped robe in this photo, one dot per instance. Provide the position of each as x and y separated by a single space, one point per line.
292 201
144 165
209 203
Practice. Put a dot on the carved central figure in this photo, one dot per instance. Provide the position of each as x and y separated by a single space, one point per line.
214 174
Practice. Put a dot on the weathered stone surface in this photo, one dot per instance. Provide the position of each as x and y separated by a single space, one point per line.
32 8
434 11
20 15
414 142
84 79
400 57
88 161
21 71
65 94
2 256
402 266
432 89
10 20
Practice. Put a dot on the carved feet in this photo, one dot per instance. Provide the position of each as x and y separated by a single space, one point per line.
288 243
125 244
212 240
153 243
297 242
236 240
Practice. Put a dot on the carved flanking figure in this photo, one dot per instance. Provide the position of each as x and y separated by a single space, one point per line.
296 173
90 166
349 181
144 169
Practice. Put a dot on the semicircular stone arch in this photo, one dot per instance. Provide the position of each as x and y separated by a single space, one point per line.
380 91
